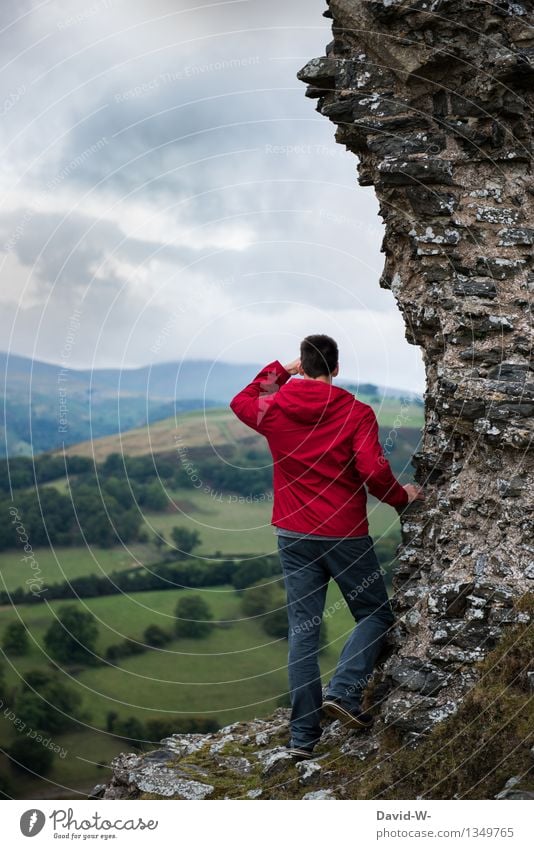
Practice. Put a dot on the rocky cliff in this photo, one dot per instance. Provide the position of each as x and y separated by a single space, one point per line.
435 98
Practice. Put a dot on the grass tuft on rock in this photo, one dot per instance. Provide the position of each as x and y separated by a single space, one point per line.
471 754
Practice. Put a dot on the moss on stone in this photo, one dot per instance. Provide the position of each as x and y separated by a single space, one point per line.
471 754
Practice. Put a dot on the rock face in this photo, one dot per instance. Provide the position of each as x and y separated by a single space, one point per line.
435 97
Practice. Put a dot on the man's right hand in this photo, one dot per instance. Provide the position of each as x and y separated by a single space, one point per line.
415 493
293 367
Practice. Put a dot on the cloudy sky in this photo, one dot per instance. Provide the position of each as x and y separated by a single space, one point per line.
166 182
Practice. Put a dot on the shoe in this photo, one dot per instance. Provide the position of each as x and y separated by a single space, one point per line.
299 753
353 719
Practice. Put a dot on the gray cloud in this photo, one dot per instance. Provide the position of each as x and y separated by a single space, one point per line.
163 150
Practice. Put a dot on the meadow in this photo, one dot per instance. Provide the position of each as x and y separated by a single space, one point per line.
236 672
218 426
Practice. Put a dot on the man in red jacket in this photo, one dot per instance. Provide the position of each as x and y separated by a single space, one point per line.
326 450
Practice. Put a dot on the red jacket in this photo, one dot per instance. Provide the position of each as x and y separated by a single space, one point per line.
325 446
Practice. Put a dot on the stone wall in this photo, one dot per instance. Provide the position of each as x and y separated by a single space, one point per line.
435 99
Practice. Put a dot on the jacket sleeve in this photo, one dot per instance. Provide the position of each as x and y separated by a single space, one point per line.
252 403
373 467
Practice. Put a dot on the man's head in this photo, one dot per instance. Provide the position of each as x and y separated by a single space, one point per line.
319 356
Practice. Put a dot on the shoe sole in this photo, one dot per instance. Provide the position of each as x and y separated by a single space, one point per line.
347 718
298 754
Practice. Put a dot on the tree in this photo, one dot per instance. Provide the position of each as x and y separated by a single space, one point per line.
49 467
158 540
133 729
275 623
50 705
267 601
158 728
261 598
116 490
71 638
92 516
113 464
156 636
15 639
102 516
37 679
124 649
192 615
185 541
113 652
248 573
111 717
29 754
198 724
77 465
153 497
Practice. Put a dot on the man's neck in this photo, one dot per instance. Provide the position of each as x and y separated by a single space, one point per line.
322 377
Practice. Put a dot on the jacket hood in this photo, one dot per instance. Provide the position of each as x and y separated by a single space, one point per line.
308 401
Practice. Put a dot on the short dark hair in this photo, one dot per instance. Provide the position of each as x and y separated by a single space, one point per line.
318 354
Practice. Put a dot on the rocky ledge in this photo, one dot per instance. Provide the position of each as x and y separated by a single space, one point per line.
243 760
483 750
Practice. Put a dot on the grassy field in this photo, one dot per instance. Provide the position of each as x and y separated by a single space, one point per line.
224 525
86 763
64 563
249 654
194 428
217 426
236 672
241 527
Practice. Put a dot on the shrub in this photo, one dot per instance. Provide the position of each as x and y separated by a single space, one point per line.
185 541
275 623
71 638
155 636
30 755
260 598
15 639
54 706
247 574
132 729
192 615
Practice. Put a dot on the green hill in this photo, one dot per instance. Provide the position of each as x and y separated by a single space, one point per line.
219 426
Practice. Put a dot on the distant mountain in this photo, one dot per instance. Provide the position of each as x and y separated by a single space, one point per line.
47 406
183 380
